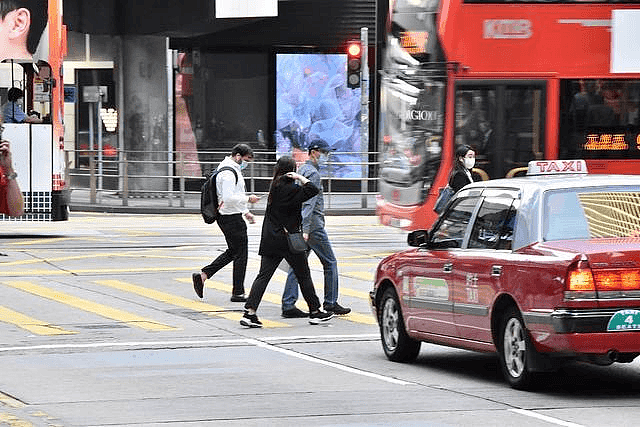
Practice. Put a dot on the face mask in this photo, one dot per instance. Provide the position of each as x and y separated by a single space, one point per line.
243 165
323 159
469 163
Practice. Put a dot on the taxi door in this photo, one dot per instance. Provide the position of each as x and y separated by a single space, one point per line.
433 272
480 267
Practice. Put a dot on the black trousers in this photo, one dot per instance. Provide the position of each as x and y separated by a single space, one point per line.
235 233
268 266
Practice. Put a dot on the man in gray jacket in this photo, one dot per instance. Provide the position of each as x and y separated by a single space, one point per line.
317 239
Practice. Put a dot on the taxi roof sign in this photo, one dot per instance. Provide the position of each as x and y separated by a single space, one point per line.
556 167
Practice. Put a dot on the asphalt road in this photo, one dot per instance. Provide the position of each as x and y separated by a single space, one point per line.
99 326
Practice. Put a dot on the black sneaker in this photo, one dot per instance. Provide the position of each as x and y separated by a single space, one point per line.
336 309
238 298
294 313
319 316
250 320
198 286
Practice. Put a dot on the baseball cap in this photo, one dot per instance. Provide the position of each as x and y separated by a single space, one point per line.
320 145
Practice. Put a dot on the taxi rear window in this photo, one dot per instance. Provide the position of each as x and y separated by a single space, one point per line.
589 213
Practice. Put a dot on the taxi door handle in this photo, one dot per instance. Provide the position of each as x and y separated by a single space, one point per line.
496 270
447 268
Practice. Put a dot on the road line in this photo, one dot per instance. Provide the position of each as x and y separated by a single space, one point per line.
546 418
30 324
143 344
366 319
175 300
327 363
173 343
89 306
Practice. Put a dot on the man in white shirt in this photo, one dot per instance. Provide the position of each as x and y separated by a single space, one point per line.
233 212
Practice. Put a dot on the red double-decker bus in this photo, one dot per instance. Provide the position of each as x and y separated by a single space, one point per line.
31 64
517 81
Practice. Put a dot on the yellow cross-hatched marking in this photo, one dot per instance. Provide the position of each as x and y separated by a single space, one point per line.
10 401
179 301
364 275
13 421
360 318
89 306
55 240
277 299
70 272
30 324
136 255
219 286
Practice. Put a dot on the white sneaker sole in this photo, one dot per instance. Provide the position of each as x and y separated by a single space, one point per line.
316 321
248 324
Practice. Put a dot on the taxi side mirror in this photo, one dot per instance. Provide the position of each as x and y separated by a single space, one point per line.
418 238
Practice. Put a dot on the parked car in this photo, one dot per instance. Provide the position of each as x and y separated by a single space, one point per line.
541 269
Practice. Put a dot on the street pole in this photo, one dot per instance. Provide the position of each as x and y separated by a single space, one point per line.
364 112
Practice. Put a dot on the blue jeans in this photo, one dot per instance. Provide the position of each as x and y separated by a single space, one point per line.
320 245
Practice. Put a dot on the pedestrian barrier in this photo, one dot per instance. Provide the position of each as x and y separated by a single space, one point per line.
173 179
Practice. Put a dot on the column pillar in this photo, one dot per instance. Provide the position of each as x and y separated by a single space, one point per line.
144 107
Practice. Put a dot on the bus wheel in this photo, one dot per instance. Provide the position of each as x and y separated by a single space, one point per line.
397 344
515 349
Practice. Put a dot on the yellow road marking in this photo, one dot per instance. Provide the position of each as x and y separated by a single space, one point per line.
13 421
30 324
363 275
277 299
89 306
179 301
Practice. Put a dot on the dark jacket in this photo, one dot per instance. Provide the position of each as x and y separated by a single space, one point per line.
459 177
283 211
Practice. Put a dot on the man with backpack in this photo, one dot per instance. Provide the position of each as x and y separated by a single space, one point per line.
233 211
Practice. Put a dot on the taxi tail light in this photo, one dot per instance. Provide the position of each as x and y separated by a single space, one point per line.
617 280
580 279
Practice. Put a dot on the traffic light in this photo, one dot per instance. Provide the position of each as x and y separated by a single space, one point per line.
354 64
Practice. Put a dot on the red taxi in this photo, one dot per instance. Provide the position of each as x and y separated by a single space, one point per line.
540 269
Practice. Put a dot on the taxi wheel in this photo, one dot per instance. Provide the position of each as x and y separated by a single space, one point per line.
397 344
515 348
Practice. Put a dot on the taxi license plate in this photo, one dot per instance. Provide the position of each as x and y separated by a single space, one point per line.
625 320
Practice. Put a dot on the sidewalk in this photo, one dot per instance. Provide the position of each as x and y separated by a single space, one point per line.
110 201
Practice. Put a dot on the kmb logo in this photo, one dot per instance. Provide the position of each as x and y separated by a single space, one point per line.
507 29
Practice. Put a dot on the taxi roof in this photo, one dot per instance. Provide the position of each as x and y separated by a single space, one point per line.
554 182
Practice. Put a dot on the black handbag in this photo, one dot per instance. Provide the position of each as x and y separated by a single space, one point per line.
296 242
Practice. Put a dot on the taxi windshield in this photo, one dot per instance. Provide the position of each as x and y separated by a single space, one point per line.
589 213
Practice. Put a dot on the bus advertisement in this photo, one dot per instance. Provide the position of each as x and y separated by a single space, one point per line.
516 81
33 44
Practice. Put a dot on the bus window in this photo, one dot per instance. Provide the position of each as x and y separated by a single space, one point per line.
502 123
600 119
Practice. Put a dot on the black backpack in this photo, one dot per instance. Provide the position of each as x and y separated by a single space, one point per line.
209 196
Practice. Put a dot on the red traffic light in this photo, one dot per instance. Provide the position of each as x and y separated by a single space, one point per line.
354 49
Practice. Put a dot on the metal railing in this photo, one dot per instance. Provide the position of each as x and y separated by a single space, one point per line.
176 177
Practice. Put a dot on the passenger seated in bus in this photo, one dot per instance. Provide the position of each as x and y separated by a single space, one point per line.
21 26
11 201
12 110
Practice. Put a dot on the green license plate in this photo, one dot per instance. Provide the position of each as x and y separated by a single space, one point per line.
625 320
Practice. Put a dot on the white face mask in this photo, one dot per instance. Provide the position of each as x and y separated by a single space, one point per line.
243 165
469 163
323 159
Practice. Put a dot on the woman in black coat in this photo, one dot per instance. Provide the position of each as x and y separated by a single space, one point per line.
283 211
461 174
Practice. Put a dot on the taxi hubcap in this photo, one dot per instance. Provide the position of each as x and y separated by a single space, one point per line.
390 324
514 347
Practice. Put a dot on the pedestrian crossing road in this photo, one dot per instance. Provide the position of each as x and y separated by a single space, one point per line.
129 276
